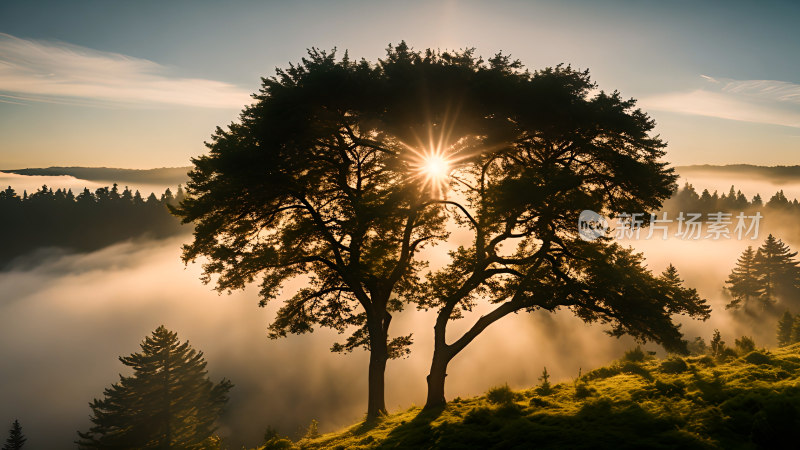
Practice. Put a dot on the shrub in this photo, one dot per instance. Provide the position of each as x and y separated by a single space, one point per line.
705 360
745 345
635 369
675 364
274 441
312 432
635 355
673 389
602 372
757 358
500 395
540 402
582 390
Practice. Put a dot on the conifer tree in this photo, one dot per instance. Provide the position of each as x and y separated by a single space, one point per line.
15 439
743 281
169 402
777 269
544 388
785 329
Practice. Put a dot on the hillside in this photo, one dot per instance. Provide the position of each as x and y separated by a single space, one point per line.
749 401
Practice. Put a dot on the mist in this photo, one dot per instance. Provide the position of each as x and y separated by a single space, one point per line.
65 321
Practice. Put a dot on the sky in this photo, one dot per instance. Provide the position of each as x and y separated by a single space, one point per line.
143 84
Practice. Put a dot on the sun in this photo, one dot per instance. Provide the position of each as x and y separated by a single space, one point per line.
435 167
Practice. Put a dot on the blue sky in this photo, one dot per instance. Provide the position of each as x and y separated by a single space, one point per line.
143 84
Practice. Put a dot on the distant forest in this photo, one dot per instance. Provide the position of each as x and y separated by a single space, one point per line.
84 222
688 200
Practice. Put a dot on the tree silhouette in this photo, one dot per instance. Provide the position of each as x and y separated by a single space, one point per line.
169 402
744 280
342 171
15 439
320 178
778 270
717 345
786 329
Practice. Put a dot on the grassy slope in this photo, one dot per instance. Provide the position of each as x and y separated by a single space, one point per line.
751 401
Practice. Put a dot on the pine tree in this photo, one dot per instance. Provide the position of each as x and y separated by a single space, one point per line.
743 281
15 439
777 269
544 388
785 329
169 402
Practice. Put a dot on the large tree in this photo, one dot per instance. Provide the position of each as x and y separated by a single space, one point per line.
168 402
554 148
341 171
324 176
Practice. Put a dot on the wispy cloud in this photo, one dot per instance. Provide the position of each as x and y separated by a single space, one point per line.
55 71
759 101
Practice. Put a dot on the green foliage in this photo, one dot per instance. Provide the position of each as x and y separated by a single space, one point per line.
544 387
734 404
674 364
16 440
275 441
583 390
312 431
500 395
745 345
755 357
634 355
168 402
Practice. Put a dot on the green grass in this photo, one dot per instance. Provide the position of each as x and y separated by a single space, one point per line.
751 401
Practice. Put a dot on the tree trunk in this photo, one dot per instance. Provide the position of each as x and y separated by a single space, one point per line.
436 378
378 355
444 353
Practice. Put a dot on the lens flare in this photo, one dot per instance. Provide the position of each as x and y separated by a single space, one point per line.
436 167
433 168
